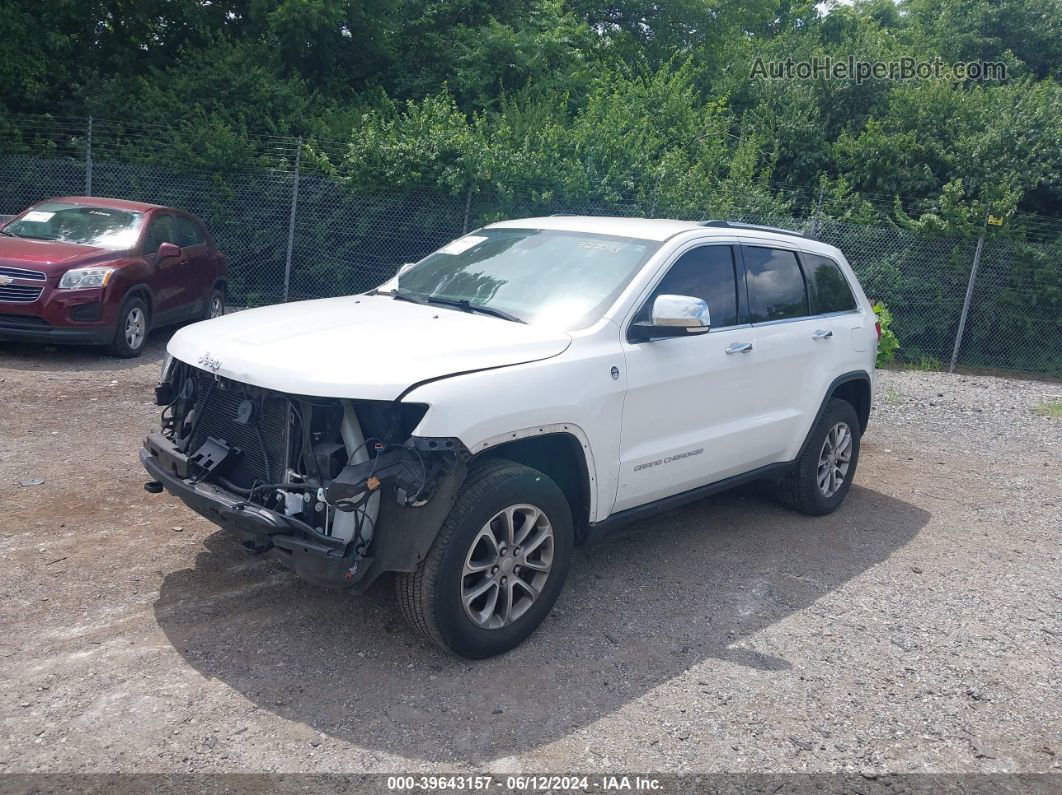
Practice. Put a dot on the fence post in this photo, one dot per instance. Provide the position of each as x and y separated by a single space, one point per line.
816 225
468 209
969 296
291 219
656 190
88 159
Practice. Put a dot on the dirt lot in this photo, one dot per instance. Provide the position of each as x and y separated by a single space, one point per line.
917 629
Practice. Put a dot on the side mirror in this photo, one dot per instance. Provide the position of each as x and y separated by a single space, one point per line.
168 250
673 316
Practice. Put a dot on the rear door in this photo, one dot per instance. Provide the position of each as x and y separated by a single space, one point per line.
833 299
795 348
687 410
199 271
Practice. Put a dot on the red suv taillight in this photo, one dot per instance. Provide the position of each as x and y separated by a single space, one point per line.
877 328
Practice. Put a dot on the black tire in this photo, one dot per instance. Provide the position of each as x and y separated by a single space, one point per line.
216 295
799 490
121 346
430 597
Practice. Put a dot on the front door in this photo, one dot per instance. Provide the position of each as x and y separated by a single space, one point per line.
166 271
691 400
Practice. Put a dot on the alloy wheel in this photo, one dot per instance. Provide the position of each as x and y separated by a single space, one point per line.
834 459
507 566
135 327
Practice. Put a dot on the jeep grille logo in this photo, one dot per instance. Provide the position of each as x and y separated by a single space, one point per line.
5 280
209 362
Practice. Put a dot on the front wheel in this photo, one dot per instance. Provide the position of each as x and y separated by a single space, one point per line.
215 305
130 335
822 475
497 566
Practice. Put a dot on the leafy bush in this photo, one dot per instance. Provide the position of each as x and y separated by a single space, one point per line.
888 344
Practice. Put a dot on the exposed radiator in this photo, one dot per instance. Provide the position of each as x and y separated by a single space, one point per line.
263 440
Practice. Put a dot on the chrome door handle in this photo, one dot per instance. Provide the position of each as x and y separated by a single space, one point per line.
738 347
822 334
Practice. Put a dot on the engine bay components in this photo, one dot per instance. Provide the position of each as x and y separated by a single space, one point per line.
324 464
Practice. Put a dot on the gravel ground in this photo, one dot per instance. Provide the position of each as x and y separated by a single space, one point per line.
917 629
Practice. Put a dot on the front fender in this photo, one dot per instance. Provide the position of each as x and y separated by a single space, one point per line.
562 395
127 277
550 429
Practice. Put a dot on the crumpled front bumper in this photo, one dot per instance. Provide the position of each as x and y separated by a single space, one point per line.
316 557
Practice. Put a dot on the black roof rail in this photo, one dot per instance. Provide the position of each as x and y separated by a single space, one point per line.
755 227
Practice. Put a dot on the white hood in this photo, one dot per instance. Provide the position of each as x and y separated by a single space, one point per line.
371 347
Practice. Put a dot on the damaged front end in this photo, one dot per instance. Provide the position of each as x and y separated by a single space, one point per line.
339 489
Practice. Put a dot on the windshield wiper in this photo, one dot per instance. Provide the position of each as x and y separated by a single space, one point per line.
467 306
457 303
9 234
405 295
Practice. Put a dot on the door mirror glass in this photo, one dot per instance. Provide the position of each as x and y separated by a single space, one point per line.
168 250
674 316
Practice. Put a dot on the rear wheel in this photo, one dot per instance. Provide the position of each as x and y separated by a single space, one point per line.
819 481
130 334
497 565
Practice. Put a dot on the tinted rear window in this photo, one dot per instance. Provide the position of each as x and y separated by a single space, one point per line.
189 233
776 284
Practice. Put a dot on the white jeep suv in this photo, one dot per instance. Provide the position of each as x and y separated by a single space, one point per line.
525 388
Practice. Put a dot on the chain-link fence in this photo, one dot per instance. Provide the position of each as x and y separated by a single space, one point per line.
291 232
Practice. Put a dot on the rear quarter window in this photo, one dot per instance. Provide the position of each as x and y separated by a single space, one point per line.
830 288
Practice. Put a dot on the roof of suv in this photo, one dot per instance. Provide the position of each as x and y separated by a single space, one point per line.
100 201
642 228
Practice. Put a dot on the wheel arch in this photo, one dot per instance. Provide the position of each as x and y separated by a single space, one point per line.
141 291
853 387
560 452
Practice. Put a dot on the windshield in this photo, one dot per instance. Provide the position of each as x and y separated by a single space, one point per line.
541 276
103 227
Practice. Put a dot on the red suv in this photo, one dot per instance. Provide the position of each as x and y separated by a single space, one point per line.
105 272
